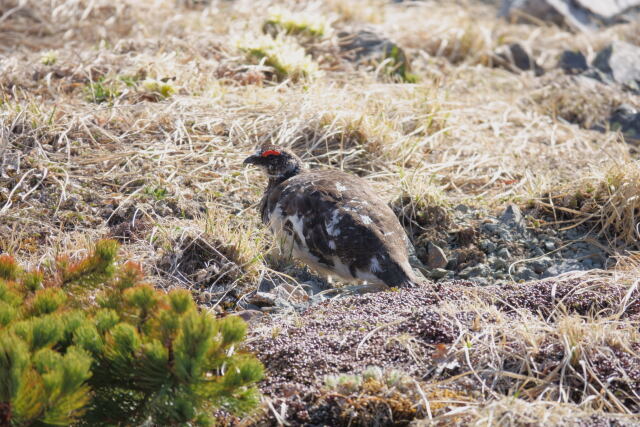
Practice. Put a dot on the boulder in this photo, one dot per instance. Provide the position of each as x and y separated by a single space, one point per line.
573 62
620 62
514 57
626 119
583 15
366 47
436 257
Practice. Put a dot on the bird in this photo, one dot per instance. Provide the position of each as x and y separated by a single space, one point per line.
333 221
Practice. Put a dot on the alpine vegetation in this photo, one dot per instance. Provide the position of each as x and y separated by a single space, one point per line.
89 342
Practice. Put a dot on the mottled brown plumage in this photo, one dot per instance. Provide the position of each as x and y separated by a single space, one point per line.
333 221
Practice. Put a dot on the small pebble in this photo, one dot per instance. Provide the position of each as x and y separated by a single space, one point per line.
499 264
503 253
462 208
491 228
488 246
438 273
526 274
540 265
537 251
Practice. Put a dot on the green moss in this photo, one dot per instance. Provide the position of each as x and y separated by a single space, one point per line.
284 55
284 20
101 91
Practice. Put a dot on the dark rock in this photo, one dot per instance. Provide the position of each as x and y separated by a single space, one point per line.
524 10
414 260
626 119
573 62
583 15
620 62
491 227
540 265
266 285
436 257
499 264
261 299
555 11
366 47
537 251
438 273
515 58
488 246
479 270
526 274
245 305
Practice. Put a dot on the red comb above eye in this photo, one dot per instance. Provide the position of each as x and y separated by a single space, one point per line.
270 153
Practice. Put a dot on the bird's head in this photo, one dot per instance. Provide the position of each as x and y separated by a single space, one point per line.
278 163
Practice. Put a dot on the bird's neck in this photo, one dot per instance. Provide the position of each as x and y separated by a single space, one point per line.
274 181
279 179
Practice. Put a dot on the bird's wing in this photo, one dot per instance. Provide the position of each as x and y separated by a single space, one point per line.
339 216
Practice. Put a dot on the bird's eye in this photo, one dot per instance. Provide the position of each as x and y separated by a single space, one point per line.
270 153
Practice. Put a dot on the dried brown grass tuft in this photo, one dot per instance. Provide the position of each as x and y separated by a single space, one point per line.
610 199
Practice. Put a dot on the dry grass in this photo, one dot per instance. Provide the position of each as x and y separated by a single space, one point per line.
609 199
131 119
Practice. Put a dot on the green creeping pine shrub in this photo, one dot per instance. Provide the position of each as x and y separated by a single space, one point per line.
88 343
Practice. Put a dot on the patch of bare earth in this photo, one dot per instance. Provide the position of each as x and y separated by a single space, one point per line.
452 350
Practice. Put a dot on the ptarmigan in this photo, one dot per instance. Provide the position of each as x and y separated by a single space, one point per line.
332 221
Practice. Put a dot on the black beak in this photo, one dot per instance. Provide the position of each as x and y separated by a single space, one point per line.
251 160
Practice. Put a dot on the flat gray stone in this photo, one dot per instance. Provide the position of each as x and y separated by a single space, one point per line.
438 273
488 246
